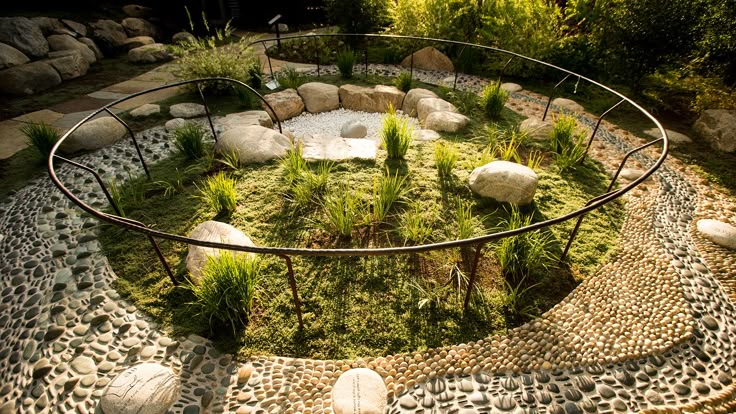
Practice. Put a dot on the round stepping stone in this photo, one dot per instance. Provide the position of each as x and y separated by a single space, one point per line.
175 123
720 233
511 87
145 110
146 388
187 110
359 391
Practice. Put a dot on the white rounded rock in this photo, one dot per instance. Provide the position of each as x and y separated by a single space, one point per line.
145 110
504 181
142 389
428 105
536 128
216 232
568 105
720 233
445 121
425 135
409 106
94 134
359 391
253 143
353 129
511 87
175 123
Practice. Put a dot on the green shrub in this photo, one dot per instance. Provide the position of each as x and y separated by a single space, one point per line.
403 81
255 72
396 134
40 136
290 77
219 193
226 289
189 140
387 190
358 16
416 224
345 62
465 101
493 99
519 255
343 210
445 158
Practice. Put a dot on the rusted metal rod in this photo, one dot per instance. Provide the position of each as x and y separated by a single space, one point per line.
473 273
294 293
597 125
135 142
207 111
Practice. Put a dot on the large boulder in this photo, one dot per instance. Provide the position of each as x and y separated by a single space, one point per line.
10 56
505 181
444 121
153 53
187 110
92 46
66 42
413 97
28 79
142 389
720 233
287 104
94 134
568 105
138 41
537 129
138 27
510 87
47 25
675 138
216 232
376 99
109 35
429 58
718 127
246 118
24 35
69 63
253 143
359 391
135 10
428 105
76 27
319 147
319 97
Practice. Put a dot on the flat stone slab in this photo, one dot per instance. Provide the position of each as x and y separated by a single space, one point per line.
568 105
142 389
674 136
720 233
324 147
424 135
187 110
359 391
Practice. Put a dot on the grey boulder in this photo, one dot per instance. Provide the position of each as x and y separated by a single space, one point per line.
152 53
66 42
28 79
10 56
24 35
94 134
69 63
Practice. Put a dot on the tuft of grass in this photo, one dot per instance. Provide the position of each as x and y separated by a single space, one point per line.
464 219
465 101
416 224
40 136
290 78
493 99
230 159
387 190
403 81
226 290
345 62
189 140
445 158
519 255
567 141
396 134
311 186
219 193
534 159
343 210
514 301
255 72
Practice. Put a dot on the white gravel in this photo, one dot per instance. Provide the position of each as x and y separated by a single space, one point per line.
329 123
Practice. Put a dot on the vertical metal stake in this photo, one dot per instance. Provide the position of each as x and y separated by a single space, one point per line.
473 272
163 260
207 112
135 141
295 294
270 68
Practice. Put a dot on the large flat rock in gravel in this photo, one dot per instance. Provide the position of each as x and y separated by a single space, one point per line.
359 391
142 389
674 137
187 110
94 134
504 181
215 232
568 105
318 147
246 118
720 233
253 143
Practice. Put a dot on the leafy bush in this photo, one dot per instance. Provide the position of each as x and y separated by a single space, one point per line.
396 134
290 77
387 190
226 289
255 72
519 255
345 62
40 136
416 224
189 140
343 210
358 16
403 81
216 56
445 158
219 193
493 99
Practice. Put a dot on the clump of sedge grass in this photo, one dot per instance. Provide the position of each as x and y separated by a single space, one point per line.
403 81
567 141
40 136
219 193
343 210
493 99
416 224
189 140
226 289
519 255
290 77
445 158
304 185
396 134
387 190
345 62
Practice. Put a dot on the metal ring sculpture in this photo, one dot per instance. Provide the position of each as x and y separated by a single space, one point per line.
286 252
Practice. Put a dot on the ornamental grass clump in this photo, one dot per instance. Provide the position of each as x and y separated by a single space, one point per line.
416 224
343 210
226 289
345 62
493 99
403 82
396 134
567 142
304 185
219 193
445 158
387 190
520 255
40 136
189 140
290 78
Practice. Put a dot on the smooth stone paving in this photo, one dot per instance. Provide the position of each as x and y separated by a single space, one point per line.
652 330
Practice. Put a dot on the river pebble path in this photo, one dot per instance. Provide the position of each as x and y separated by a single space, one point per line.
651 331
